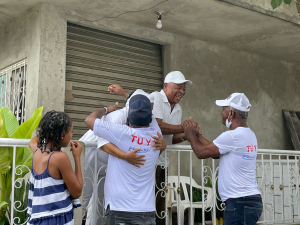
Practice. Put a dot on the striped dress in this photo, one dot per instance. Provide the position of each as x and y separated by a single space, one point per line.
49 200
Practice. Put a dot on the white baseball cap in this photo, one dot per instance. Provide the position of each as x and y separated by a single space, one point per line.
238 101
176 77
140 92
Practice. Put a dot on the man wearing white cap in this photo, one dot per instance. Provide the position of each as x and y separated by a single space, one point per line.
237 150
168 113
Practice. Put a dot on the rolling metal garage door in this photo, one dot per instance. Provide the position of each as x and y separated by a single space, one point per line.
97 59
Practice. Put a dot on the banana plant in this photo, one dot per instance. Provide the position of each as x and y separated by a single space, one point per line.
9 128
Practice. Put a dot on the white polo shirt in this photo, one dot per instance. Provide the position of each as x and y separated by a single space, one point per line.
237 175
162 110
127 187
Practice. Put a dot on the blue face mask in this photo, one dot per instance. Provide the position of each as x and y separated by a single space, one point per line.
227 123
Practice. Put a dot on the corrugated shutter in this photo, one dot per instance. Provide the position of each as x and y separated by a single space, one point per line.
97 59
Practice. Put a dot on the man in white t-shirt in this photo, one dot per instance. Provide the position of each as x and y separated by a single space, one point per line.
168 113
237 150
105 148
102 150
129 191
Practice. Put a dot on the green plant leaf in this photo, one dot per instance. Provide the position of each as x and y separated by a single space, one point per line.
3 204
25 129
9 124
26 161
276 3
4 160
6 188
4 221
21 194
9 121
19 155
287 2
3 133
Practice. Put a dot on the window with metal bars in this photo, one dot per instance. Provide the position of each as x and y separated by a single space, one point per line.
13 89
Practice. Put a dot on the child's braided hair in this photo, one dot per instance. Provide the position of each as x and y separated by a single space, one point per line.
52 128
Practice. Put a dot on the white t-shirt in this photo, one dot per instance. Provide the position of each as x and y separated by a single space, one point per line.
127 187
118 116
238 149
162 110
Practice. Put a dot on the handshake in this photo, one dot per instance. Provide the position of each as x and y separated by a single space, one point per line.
190 129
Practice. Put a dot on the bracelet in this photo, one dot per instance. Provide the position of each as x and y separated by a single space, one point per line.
105 110
182 137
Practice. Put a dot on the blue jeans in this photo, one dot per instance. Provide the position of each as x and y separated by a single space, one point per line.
112 217
243 210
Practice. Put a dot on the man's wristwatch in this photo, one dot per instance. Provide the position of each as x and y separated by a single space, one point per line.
105 110
181 136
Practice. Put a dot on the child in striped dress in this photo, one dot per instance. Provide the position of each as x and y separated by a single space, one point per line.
54 187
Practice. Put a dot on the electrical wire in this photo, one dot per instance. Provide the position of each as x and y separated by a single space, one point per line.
133 11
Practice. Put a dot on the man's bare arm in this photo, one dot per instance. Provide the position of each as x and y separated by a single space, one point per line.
168 128
117 89
131 157
206 142
90 120
202 151
177 138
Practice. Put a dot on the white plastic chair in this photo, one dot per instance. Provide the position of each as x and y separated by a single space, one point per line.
185 203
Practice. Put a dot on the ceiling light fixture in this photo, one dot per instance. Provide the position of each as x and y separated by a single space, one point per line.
159 24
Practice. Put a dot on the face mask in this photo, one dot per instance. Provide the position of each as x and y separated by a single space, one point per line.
227 123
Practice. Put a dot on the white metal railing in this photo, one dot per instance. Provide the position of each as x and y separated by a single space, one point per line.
13 88
15 205
277 176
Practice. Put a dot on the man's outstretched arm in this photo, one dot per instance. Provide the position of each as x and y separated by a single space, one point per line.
130 157
202 147
117 89
90 120
167 128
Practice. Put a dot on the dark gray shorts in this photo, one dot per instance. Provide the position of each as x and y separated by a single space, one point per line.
112 217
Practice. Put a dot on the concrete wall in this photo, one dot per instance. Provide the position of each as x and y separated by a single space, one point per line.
216 71
39 35
284 11
20 40
52 59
